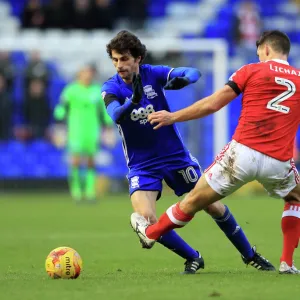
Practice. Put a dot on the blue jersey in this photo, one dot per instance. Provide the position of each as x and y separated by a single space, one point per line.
143 146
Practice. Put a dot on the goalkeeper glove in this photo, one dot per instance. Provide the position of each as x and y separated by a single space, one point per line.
137 88
177 83
59 112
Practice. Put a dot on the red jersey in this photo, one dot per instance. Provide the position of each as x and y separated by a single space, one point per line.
270 107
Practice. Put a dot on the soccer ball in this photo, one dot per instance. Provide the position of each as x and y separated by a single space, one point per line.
63 262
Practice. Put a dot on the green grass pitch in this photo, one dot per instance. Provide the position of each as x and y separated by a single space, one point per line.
114 265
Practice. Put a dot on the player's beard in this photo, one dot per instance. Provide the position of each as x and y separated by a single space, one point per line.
125 75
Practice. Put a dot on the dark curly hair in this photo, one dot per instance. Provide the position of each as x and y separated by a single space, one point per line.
278 40
124 42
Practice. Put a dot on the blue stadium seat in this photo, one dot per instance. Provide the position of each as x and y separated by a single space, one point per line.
11 171
6 159
41 159
39 146
15 147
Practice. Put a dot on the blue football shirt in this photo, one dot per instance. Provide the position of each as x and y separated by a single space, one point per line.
144 147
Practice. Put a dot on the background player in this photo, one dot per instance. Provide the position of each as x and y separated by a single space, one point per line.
81 102
130 96
261 149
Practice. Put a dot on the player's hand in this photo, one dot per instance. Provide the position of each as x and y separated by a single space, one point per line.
137 88
161 118
177 83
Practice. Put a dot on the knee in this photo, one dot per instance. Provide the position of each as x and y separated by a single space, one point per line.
75 161
292 200
75 164
90 163
216 210
292 197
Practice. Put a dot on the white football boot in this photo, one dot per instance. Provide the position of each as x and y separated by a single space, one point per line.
284 268
295 269
139 225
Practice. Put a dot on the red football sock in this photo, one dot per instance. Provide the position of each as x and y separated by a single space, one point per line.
174 217
290 225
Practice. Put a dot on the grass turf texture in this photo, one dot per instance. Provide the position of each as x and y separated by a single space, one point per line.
114 265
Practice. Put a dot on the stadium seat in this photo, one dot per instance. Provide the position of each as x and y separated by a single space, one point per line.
15 147
206 18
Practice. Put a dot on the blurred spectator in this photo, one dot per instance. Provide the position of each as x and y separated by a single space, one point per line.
297 3
95 71
82 15
36 69
5 110
58 14
132 11
37 112
7 69
33 15
103 14
247 28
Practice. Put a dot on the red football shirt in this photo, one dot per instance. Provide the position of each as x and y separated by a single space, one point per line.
270 107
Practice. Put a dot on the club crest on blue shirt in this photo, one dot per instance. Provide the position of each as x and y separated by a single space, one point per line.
135 182
149 91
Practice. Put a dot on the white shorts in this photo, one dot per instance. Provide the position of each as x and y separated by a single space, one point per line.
238 164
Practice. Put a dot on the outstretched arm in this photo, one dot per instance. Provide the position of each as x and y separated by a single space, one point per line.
192 74
116 111
197 110
181 77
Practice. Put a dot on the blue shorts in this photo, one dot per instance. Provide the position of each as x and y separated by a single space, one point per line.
180 174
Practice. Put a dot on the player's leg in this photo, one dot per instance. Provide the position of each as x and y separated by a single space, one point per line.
144 203
290 226
233 231
182 178
178 215
281 180
74 177
90 148
222 179
90 179
75 149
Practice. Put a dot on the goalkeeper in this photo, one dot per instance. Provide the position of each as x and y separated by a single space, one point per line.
81 104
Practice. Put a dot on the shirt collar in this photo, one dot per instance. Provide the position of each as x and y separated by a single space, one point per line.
281 61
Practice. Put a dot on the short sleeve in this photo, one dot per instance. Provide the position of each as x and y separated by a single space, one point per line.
238 79
162 73
110 92
105 118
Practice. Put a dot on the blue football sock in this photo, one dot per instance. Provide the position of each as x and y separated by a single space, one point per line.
175 243
235 233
